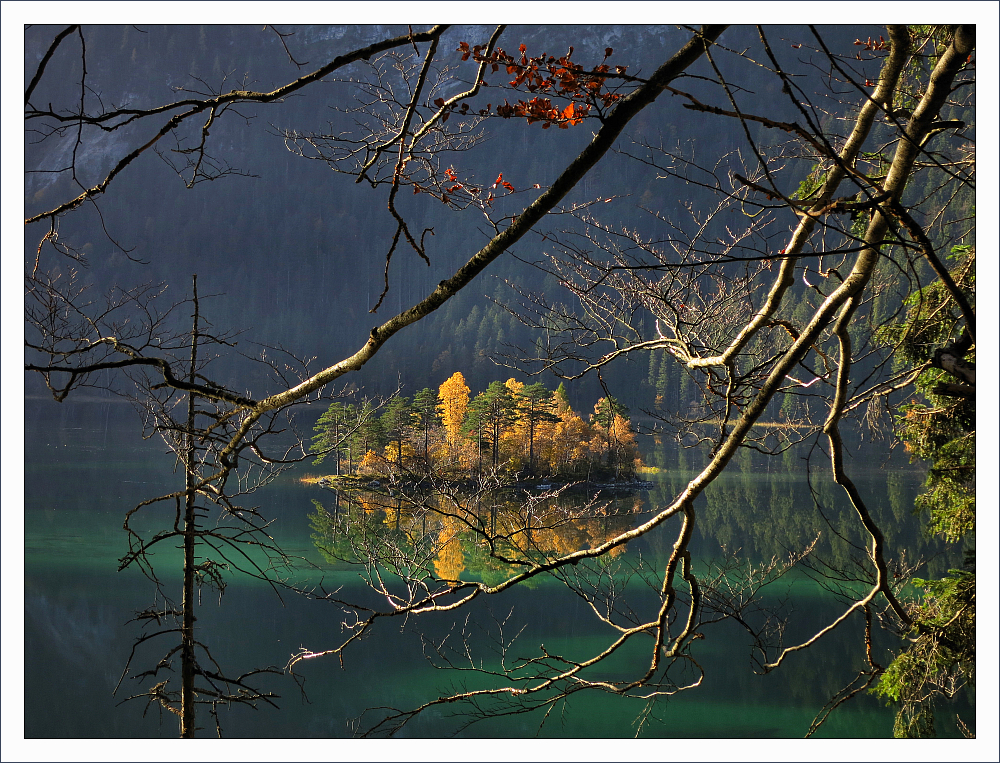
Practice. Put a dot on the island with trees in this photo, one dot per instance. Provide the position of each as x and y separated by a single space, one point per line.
511 430
761 240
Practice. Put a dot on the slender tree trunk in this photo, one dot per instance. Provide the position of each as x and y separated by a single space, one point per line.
187 603
531 448
479 464
427 437
337 451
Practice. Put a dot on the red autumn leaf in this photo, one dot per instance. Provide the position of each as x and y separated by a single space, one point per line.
508 186
608 52
522 47
499 180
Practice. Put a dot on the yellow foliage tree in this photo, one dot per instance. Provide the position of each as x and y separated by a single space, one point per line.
371 464
454 394
570 443
407 453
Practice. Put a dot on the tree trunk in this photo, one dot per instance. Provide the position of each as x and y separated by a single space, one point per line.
187 601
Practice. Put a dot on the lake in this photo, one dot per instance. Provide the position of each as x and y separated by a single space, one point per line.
85 467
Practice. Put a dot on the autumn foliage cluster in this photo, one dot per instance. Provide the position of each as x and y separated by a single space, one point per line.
544 74
511 428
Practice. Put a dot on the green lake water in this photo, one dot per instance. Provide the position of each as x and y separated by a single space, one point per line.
82 474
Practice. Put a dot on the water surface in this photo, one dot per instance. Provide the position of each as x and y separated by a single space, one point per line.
84 472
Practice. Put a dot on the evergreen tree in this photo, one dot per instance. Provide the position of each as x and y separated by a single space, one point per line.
398 419
605 411
940 656
562 397
536 406
369 435
427 417
475 424
500 414
332 429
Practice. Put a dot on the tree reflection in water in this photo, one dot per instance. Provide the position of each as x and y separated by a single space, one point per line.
488 535
435 550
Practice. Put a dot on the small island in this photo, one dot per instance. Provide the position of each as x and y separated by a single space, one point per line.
517 435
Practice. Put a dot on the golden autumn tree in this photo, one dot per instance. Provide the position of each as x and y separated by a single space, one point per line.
454 394
513 440
569 445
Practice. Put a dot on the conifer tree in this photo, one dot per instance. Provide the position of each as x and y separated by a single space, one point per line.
425 410
536 406
332 430
397 420
611 418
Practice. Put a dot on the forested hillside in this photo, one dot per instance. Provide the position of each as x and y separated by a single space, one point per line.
303 273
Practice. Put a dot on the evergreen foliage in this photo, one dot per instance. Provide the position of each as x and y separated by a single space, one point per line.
939 661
